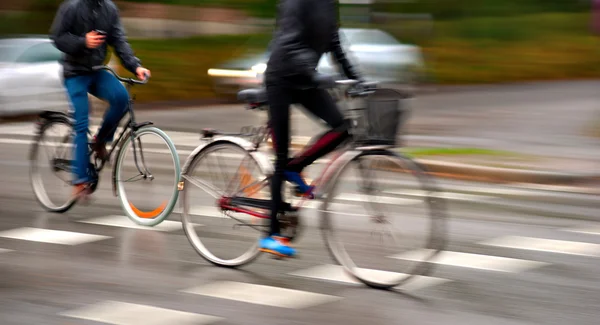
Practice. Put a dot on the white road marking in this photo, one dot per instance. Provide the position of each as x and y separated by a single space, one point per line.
590 231
51 236
337 273
262 295
121 313
473 261
124 222
376 199
545 245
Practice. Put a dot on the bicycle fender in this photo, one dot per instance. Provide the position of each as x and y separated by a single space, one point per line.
332 171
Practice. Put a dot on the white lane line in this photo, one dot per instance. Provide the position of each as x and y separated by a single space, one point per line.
376 199
213 212
594 230
444 195
262 295
51 236
15 141
202 211
336 273
473 261
121 313
124 222
545 245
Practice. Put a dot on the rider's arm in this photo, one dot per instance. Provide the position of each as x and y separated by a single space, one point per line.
65 41
291 28
117 39
340 56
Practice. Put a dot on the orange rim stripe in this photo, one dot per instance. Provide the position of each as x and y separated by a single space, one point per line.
151 214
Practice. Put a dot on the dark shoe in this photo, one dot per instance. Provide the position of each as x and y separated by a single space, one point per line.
100 149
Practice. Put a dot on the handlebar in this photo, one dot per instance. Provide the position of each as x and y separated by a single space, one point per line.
130 81
357 88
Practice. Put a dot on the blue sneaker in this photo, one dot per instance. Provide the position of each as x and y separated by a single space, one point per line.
276 245
301 187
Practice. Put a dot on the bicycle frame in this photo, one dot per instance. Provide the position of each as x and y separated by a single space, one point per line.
128 131
262 135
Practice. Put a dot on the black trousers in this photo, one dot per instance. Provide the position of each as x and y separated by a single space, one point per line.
319 103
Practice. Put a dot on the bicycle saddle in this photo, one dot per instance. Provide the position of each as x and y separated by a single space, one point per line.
255 97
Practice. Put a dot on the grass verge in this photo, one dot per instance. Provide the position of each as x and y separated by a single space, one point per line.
467 51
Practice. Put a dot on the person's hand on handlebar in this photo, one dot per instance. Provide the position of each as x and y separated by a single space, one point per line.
142 73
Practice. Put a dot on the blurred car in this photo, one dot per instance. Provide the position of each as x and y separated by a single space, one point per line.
377 54
30 76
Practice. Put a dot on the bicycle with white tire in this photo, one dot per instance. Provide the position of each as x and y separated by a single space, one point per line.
146 165
368 193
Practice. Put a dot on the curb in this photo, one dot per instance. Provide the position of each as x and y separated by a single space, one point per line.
503 175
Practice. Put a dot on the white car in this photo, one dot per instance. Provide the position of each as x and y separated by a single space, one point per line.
30 77
377 54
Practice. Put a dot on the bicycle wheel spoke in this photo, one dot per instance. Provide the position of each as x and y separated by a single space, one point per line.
147 198
239 230
213 191
48 181
360 243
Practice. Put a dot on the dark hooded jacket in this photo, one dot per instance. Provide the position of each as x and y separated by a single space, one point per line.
306 29
74 19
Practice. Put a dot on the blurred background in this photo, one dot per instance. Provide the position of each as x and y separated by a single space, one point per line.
430 42
505 114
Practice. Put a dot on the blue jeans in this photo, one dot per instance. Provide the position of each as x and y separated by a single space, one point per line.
105 86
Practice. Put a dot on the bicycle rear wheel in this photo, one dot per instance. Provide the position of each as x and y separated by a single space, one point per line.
380 197
146 176
223 169
51 166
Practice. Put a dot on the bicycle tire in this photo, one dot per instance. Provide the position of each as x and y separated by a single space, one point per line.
437 214
122 195
40 192
189 227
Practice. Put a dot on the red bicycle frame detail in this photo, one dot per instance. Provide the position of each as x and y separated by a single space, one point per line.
225 202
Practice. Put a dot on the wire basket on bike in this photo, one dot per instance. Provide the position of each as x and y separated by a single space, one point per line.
380 118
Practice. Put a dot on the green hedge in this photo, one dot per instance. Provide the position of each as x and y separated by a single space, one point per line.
258 8
453 9
440 9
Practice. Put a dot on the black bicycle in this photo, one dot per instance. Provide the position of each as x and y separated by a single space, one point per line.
154 166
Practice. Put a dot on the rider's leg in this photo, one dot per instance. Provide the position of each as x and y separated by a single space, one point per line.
280 99
77 89
107 87
322 105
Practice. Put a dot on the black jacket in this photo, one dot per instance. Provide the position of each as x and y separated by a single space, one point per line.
306 29
75 18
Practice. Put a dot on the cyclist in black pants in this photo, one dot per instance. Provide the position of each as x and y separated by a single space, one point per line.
306 29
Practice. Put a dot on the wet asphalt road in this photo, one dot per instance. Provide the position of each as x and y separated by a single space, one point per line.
106 272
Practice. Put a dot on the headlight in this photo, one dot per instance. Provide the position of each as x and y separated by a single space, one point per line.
231 73
259 68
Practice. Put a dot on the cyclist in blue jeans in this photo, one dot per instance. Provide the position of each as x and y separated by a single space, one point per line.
82 29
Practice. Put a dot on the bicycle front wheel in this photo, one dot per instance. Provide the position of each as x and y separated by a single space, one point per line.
146 176
382 218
